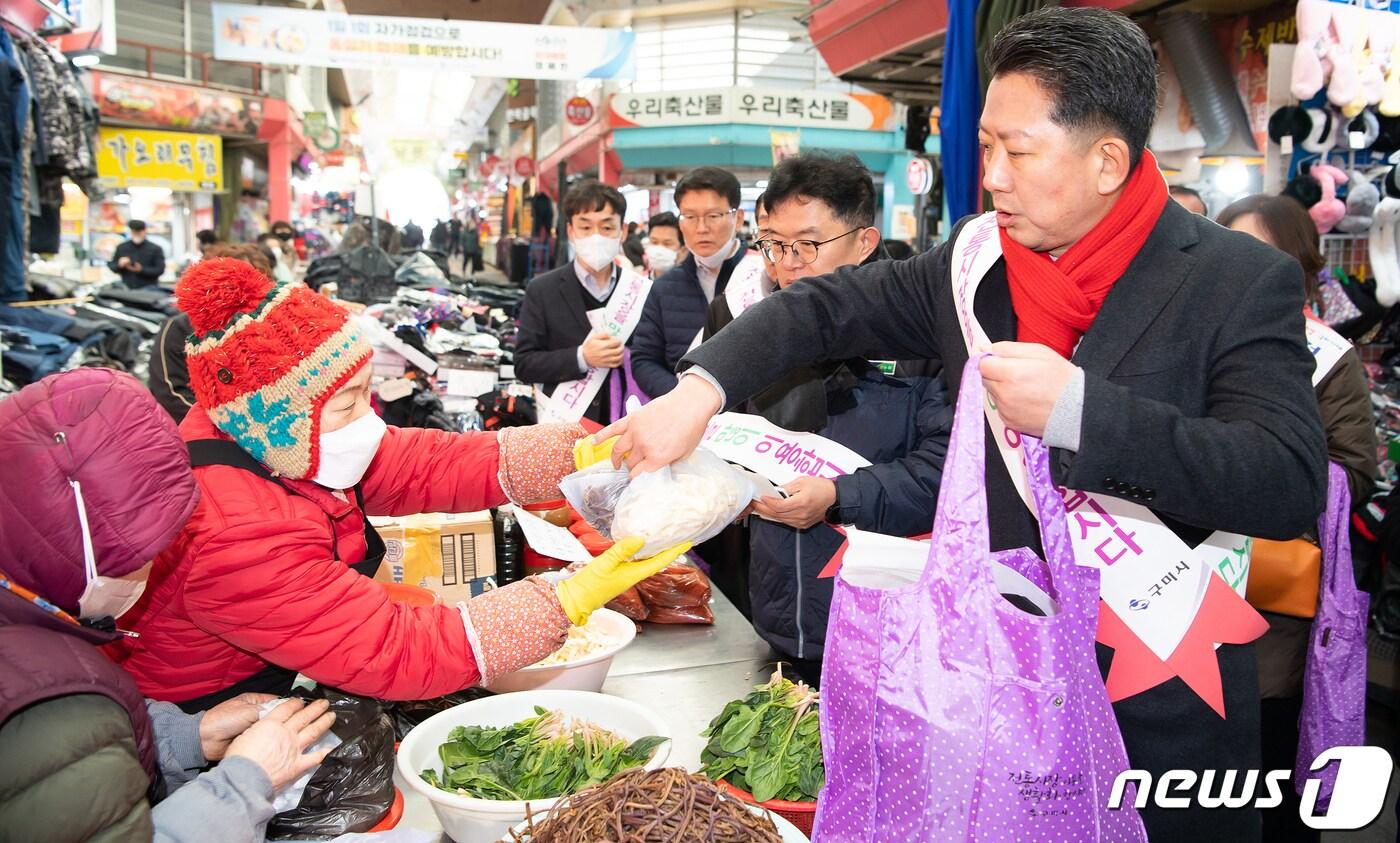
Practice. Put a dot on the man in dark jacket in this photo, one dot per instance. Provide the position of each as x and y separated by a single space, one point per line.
820 217
708 198
557 341
138 261
1184 389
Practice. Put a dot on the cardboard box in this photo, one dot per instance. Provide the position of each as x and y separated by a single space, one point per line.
452 555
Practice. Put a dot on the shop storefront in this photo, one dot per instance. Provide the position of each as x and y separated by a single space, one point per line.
655 137
166 179
262 139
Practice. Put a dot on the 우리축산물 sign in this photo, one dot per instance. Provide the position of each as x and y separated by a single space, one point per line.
787 109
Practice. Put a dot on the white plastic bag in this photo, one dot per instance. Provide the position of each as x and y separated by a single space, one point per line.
690 500
290 796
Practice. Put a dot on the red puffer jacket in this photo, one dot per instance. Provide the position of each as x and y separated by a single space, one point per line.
251 578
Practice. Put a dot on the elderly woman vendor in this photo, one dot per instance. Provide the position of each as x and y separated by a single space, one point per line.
269 577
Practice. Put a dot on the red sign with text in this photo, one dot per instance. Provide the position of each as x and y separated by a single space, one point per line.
579 111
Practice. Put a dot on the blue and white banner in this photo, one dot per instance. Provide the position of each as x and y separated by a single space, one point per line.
271 35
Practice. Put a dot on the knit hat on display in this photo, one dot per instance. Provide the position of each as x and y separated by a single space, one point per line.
264 359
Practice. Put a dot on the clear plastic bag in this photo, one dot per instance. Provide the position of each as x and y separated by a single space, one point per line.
678 594
594 492
690 500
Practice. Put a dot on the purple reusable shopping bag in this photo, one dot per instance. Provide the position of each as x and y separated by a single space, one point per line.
617 395
1334 681
950 715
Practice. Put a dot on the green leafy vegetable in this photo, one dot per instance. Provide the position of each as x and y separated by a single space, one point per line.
540 757
769 743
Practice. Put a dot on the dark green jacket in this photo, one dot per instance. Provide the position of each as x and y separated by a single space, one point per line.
71 773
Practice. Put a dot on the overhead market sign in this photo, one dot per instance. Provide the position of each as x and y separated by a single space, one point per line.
272 35
148 158
153 103
761 106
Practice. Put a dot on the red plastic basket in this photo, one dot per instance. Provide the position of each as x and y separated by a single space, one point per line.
800 814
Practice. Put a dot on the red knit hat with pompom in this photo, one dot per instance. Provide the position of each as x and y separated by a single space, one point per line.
264 358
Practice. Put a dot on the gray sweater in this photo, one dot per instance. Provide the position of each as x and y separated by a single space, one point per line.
231 803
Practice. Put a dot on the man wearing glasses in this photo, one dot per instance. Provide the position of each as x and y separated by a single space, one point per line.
708 199
821 215
576 320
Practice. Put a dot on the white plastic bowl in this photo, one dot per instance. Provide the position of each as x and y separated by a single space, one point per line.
585 674
470 820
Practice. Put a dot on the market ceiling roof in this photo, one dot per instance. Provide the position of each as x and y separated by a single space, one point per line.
895 47
506 11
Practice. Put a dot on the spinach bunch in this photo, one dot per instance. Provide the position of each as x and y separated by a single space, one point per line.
769 743
540 757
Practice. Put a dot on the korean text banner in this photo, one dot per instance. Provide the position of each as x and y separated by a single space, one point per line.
374 42
761 106
150 158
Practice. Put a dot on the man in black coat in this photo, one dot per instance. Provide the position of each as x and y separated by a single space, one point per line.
1189 392
556 342
138 261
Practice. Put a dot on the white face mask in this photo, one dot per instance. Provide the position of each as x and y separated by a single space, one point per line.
660 258
346 453
109 596
597 251
723 254
104 597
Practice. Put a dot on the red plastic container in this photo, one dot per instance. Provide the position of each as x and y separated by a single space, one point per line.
800 814
538 563
395 814
412 595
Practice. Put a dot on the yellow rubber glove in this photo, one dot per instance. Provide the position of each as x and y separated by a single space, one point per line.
586 453
609 575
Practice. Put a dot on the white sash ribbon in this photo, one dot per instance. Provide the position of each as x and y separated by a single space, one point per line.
1327 347
618 318
778 454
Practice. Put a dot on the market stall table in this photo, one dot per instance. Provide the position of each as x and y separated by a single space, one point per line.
685 673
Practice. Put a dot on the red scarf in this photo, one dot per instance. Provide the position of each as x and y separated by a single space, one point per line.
1056 301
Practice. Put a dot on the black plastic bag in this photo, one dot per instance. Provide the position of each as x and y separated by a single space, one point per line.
408 714
353 788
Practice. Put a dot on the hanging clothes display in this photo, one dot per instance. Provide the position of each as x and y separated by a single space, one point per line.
14 100
53 137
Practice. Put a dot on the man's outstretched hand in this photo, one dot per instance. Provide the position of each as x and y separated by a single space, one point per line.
665 430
